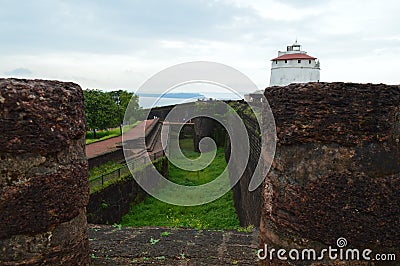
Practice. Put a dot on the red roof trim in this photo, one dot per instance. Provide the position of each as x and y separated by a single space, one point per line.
294 56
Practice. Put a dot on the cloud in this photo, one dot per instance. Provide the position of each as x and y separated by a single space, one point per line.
118 44
19 72
280 10
107 26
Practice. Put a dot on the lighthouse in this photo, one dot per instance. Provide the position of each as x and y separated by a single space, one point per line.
294 66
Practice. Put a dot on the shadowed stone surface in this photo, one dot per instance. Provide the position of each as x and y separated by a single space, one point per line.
247 203
108 205
132 246
43 173
336 171
203 127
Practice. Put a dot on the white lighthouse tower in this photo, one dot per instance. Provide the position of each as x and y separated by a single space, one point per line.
294 66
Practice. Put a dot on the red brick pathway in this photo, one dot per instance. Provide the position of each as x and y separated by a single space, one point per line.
100 147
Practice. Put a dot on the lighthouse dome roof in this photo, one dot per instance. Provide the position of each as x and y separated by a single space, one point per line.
294 57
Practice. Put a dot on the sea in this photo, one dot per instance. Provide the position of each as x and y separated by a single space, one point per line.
156 100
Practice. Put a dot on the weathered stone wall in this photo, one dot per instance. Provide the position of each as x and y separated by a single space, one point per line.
203 127
208 127
336 171
107 206
163 111
43 174
187 132
247 203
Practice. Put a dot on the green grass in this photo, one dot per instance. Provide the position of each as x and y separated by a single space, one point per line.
103 169
187 148
95 182
189 178
106 134
219 214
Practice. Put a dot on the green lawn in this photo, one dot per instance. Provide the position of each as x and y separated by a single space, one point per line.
106 134
103 169
219 214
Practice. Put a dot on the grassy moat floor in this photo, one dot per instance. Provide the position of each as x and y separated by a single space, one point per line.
157 233
219 214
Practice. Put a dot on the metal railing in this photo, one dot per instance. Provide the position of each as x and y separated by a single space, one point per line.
104 179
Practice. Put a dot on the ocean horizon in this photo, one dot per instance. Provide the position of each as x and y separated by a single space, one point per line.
157 100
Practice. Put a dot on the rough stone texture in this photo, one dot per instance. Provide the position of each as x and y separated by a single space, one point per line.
343 113
336 169
34 110
68 238
247 203
176 246
43 173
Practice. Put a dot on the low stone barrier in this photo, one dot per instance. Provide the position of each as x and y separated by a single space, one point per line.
43 174
336 172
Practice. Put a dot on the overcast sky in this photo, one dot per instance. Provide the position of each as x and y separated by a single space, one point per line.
119 44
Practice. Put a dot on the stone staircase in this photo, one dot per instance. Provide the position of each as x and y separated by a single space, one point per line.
138 145
152 137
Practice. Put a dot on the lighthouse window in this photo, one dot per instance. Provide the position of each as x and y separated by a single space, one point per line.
285 61
299 61
276 62
309 61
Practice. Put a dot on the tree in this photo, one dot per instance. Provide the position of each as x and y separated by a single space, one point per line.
100 110
122 98
107 109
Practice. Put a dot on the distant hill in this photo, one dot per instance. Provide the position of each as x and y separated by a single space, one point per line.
176 95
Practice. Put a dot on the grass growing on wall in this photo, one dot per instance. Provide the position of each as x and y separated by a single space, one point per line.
219 214
103 169
110 175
